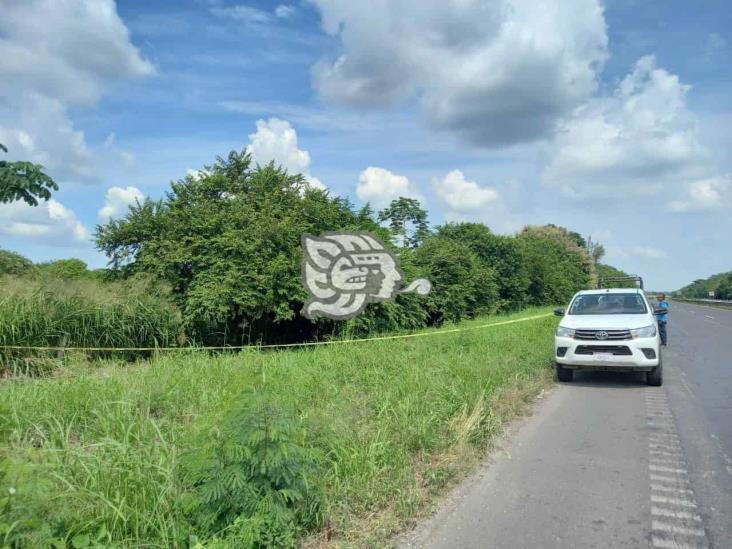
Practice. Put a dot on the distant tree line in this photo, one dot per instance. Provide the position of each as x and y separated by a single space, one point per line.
720 284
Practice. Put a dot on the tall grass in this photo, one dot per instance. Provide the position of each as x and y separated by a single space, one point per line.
81 313
96 454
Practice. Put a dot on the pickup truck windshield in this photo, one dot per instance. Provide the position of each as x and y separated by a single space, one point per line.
608 304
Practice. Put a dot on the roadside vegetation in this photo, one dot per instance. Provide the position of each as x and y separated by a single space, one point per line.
81 312
341 444
217 262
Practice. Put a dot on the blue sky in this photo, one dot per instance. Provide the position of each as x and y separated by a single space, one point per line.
609 118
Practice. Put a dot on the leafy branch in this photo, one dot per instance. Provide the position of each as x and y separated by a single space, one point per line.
24 181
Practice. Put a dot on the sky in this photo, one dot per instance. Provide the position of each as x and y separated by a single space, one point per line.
610 118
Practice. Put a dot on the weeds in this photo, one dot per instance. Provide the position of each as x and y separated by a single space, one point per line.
376 428
82 313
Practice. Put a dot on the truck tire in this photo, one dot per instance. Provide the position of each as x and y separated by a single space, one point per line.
564 374
654 378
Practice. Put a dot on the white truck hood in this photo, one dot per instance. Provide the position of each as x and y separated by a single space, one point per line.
607 321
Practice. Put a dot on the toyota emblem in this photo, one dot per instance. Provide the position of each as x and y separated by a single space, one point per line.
601 334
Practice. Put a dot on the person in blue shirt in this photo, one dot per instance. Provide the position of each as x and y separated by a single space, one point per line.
662 317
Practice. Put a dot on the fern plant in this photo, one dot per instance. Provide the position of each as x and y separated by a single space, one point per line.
252 480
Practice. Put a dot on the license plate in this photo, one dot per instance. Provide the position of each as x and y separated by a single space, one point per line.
603 357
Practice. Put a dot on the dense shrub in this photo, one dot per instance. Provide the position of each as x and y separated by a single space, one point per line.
557 263
253 480
12 263
228 242
67 269
500 253
462 285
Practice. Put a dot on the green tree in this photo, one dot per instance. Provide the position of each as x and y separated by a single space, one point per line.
500 253
462 285
24 181
597 250
407 221
66 269
228 242
12 263
724 289
558 264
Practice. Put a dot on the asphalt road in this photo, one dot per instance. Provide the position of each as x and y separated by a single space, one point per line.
606 461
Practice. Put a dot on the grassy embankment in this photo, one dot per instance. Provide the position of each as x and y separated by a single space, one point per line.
96 451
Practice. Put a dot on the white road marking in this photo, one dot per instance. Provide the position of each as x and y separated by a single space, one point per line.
663 469
686 515
676 481
674 528
673 544
663 453
667 447
681 502
674 489
675 524
666 461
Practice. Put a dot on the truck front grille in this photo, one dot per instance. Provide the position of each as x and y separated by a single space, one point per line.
612 335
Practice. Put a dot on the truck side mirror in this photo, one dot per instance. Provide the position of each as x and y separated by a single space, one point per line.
558 312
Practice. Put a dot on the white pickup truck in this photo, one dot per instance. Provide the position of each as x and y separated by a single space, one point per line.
608 329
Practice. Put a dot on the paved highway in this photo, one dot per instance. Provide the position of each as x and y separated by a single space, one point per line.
606 461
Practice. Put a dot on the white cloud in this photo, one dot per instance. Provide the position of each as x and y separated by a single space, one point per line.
494 72
118 200
37 129
283 11
462 195
379 187
57 54
276 140
642 140
714 193
49 222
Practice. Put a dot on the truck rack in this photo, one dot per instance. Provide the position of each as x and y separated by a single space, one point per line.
637 279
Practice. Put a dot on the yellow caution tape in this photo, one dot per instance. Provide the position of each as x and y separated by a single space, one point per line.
276 346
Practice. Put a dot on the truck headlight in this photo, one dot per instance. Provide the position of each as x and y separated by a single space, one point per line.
646 331
565 332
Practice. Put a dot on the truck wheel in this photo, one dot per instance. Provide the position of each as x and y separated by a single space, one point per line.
655 376
564 374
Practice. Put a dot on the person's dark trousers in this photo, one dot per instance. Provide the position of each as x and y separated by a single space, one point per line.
662 331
